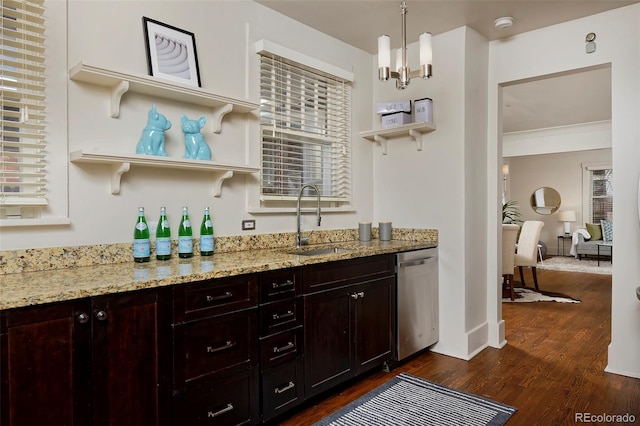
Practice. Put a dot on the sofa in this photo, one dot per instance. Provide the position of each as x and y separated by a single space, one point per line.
590 247
586 241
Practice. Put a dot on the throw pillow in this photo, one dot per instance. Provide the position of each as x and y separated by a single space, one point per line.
607 230
595 230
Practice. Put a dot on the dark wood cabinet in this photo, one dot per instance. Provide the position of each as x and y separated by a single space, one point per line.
242 349
216 352
97 361
348 327
281 341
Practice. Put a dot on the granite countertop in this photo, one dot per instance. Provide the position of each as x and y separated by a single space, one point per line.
33 288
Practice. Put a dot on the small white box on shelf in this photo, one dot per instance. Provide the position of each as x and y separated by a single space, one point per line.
423 111
395 119
383 108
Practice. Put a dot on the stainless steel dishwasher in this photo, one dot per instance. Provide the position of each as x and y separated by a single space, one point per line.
417 299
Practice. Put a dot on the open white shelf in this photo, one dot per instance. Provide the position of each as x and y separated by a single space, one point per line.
415 130
120 83
121 164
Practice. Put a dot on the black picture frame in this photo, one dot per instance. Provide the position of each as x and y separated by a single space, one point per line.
171 53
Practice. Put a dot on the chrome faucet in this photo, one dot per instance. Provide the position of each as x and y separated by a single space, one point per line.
299 239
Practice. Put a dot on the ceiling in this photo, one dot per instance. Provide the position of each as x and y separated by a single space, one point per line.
548 102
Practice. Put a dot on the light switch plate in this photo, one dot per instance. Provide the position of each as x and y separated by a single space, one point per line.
248 225
153 226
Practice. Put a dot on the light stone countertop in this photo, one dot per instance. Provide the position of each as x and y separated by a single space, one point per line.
33 288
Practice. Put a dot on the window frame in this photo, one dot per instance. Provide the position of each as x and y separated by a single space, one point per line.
56 212
314 144
587 191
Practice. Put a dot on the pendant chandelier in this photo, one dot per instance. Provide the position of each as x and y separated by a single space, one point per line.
403 74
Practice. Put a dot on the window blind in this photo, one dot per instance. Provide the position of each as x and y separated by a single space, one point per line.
600 194
305 123
22 101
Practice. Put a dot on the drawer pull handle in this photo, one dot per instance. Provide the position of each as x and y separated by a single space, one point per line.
285 388
226 346
287 283
226 409
289 314
226 295
286 347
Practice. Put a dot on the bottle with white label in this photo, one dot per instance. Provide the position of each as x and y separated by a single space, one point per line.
141 243
163 236
185 235
206 234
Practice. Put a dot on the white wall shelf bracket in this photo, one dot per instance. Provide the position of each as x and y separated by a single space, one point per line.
117 92
218 115
217 187
417 136
383 142
118 169
121 164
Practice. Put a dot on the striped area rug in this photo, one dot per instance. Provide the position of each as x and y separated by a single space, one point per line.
409 400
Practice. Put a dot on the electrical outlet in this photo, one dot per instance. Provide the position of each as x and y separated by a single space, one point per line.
153 225
248 225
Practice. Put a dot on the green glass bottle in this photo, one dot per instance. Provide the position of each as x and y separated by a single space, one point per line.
206 234
141 244
163 236
185 235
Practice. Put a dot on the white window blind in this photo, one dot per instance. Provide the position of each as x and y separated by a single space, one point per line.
305 123
22 101
599 196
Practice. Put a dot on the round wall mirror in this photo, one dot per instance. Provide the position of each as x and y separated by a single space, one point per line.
545 200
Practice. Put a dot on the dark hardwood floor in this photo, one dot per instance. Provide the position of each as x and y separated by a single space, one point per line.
551 369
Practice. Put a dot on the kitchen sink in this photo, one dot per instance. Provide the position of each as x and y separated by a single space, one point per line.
319 251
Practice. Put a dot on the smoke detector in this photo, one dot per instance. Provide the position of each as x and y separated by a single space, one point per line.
503 23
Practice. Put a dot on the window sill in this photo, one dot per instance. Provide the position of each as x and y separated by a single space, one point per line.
11 223
292 210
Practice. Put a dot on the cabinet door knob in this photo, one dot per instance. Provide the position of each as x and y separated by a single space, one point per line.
101 315
361 294
354 296
83 318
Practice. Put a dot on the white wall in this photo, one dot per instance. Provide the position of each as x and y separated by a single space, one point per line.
561 48
563 172
443 185
228 66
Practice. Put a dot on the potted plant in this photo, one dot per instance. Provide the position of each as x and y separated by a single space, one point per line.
511 212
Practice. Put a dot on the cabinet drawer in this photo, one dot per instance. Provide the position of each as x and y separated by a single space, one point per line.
214 297
231 400
279 316
322 276
217 345
281 347
280 284
282 388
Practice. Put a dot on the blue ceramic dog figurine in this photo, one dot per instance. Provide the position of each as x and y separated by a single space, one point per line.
152 140
195 145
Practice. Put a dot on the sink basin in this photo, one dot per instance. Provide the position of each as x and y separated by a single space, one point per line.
319 251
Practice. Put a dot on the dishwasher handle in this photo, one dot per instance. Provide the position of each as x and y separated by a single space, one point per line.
416 262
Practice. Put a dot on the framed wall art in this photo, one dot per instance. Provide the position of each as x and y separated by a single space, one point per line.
171 53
